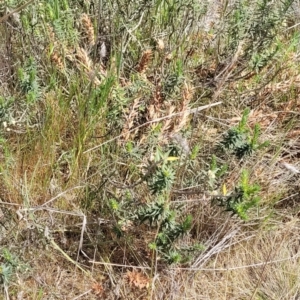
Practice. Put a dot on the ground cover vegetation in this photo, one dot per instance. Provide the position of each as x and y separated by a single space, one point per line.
149 149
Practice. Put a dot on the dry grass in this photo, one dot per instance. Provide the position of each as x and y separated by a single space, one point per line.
244 264
85 112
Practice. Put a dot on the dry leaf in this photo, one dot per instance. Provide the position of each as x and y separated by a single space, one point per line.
137 279
160 44
97 288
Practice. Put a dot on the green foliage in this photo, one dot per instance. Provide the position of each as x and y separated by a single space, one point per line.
163 177
114 205
153 213
61 16
238 139
6 109
10 264
242 199
173 257
169 230
215 172
29 81
173 81
5 273
194 152
253 27
98 97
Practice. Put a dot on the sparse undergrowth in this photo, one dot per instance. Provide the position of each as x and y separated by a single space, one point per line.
149 149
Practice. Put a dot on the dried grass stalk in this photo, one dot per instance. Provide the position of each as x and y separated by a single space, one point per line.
55 56
51 35
88 29
168 124
91 70
187 95
144 62
56 59
130 118
154 107
83 59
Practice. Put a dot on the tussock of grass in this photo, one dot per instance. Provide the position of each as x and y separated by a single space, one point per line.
149 149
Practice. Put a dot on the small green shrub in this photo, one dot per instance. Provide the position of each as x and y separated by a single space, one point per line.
163 175
238 140
169 230
10 264
5 273
242 199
